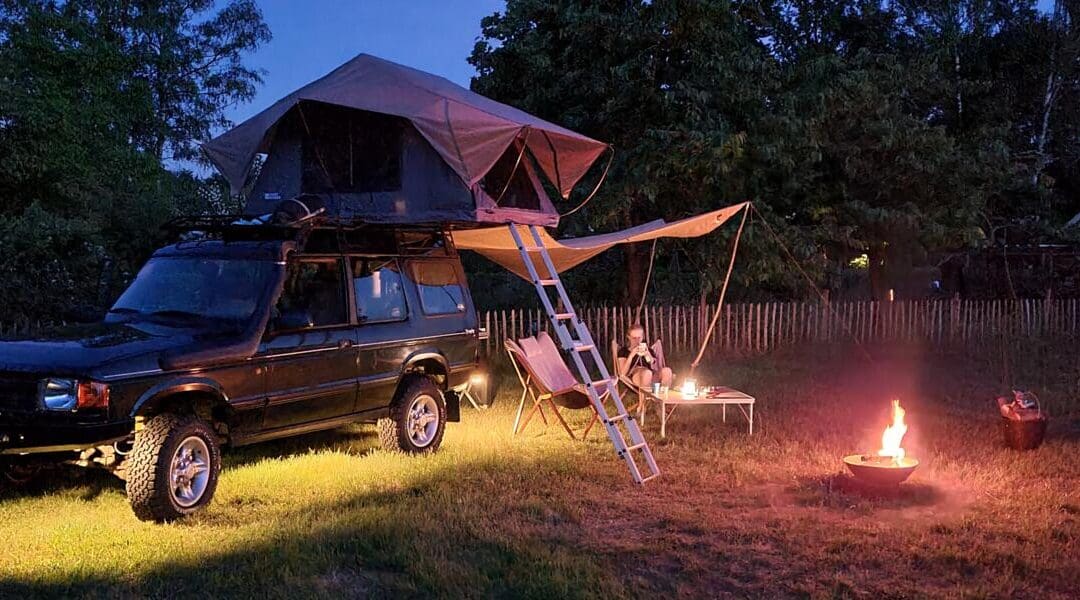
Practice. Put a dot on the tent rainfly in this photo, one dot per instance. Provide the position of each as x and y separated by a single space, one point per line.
385 143
498 245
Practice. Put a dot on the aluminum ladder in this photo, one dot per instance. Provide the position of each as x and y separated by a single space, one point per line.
578 342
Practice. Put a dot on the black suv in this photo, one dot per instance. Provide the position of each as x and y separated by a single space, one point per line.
257 334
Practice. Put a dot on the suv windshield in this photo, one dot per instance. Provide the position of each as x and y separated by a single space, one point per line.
196 288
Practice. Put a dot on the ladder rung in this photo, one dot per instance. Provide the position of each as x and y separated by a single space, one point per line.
653 476
564 316
547 281
579 347
618 417
600 382
636 447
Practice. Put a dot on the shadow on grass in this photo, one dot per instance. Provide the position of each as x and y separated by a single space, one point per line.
445 533
55 478
52 478
354 440
843 491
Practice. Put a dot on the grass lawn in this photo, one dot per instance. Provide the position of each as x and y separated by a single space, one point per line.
774 515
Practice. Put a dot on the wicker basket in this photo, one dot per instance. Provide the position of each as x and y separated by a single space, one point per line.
1023 435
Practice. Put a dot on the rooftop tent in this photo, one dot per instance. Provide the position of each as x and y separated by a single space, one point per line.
387 143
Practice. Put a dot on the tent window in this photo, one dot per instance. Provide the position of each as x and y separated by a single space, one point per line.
350 151
521 193
440 288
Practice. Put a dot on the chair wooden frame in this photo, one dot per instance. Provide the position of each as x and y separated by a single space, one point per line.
537 388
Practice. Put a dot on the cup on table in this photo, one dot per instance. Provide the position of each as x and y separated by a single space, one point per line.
656 388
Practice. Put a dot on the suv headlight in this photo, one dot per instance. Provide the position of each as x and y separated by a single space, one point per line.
59 393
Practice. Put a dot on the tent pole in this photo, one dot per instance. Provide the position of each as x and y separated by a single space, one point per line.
611 156
645 287
723 291
517 163
315 145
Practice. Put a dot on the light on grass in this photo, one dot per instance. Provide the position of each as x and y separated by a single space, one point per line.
890 465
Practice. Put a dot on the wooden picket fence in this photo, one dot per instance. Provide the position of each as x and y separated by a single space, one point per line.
25 327
753 328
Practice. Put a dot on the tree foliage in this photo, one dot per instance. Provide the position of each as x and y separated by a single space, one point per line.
94 96
898 130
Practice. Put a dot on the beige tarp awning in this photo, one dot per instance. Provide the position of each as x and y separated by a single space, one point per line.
497 244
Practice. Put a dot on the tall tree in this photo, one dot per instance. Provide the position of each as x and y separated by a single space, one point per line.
93 94
672 84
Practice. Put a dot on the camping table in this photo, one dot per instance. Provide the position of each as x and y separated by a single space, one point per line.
674 398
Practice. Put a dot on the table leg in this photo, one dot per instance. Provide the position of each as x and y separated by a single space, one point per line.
724 413
751 419
663 420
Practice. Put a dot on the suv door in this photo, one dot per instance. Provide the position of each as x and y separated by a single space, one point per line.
383 329
311 348
446 318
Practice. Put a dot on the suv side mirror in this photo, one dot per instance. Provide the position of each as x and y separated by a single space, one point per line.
293 319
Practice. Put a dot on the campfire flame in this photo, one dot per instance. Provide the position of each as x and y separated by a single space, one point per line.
890 440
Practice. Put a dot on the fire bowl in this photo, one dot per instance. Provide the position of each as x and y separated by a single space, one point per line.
880 470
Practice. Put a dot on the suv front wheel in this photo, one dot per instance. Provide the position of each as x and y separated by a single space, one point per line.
173 468
417 418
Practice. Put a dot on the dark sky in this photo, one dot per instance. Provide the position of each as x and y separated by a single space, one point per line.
311 37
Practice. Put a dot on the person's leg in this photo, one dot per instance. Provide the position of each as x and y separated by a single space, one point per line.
666 377
642 378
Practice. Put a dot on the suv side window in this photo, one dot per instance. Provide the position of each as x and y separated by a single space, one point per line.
315 287
380 295
440 289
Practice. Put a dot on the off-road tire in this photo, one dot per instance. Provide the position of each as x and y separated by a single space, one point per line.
148 485
393 431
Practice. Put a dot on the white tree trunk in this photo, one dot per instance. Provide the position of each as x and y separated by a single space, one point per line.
1050 95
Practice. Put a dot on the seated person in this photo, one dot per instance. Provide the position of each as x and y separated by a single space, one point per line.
641 364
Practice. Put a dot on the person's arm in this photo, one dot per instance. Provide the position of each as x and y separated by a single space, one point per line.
625 357
648 356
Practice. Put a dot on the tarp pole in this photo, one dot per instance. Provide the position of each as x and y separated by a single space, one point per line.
723 291
645 288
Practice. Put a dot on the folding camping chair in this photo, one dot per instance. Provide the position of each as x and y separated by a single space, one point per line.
545 378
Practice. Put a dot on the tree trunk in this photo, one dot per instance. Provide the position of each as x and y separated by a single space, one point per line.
635 264
959 92
1041 160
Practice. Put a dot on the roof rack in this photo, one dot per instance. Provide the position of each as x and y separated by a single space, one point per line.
329 234
220 224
